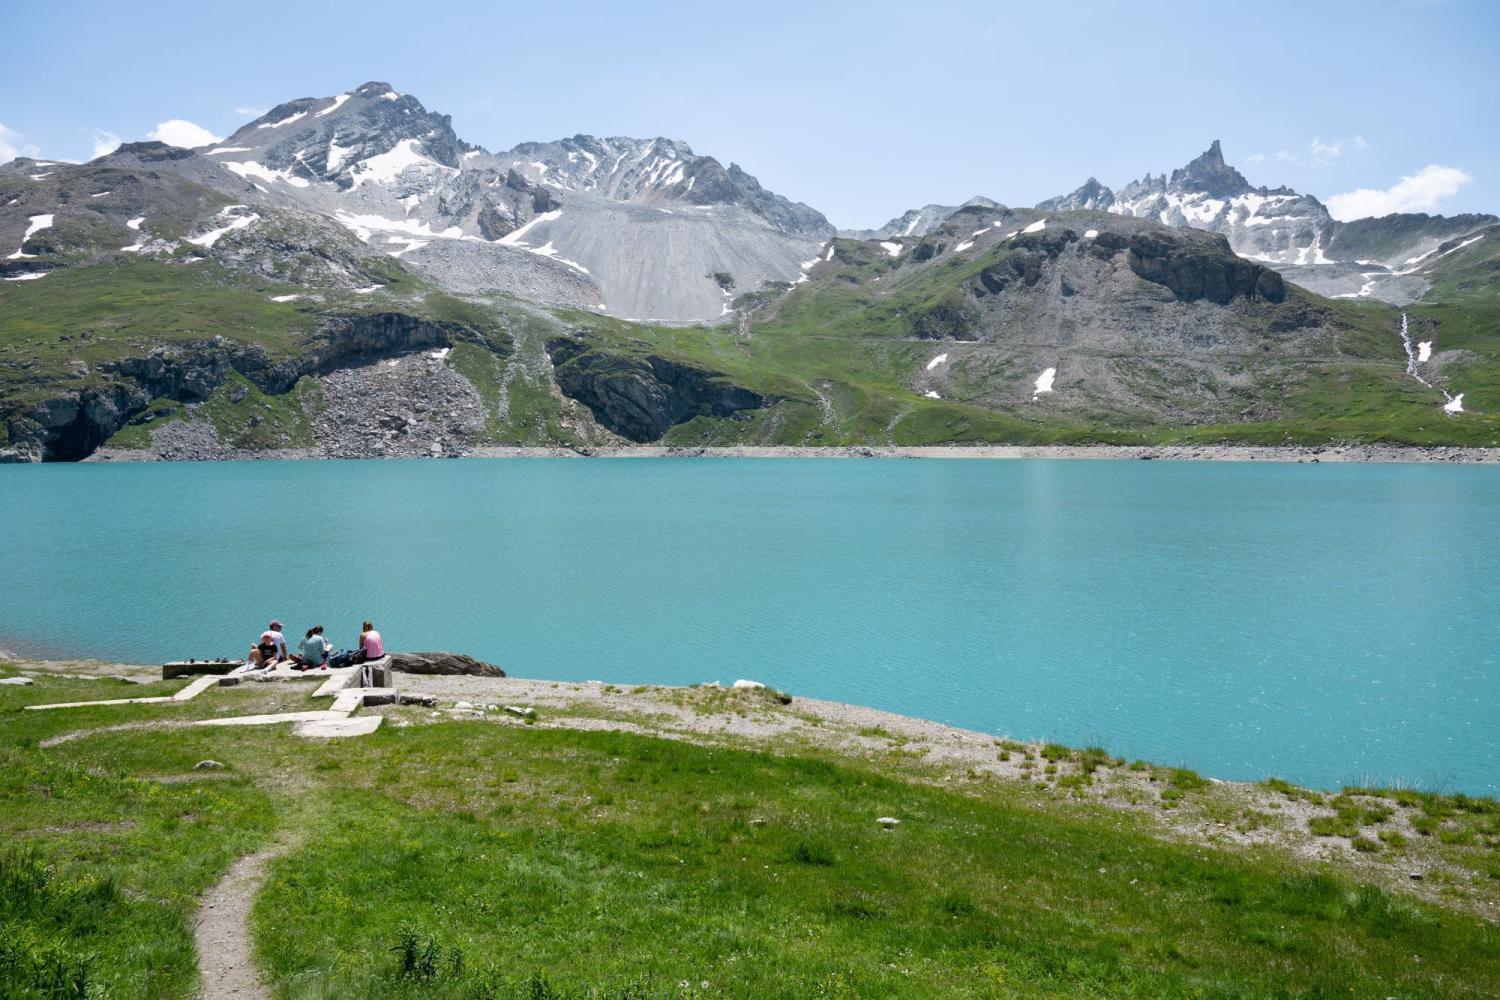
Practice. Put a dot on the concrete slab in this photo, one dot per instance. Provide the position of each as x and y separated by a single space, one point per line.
352 698
110 701
197 687
271 720
183 668
336 682
358 726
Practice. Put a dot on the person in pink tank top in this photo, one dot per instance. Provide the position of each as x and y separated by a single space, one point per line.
369 642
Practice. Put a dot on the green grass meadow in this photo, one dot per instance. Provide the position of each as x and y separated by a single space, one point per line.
476 860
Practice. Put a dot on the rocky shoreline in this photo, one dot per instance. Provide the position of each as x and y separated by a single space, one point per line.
1306 454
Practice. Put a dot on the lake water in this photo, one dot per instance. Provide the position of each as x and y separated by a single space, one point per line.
1326 624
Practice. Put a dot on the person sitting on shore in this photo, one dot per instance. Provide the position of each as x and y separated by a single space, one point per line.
275 630
313 650
370 646
264 653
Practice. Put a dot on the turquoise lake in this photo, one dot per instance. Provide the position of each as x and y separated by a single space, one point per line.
1329 624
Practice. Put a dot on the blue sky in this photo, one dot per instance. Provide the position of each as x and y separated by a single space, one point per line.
860 109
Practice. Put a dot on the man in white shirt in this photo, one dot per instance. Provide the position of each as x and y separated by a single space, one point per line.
274 631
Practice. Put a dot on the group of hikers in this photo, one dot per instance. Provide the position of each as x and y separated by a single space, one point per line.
314 652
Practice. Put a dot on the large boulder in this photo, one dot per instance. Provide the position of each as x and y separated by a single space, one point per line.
442 663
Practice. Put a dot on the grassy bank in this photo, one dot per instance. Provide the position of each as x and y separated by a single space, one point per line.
473 859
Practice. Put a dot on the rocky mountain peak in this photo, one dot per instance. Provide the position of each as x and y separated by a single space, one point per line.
375 88
657 171
372 133
1210 175
1090 196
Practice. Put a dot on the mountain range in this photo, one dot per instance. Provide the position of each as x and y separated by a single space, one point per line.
583 291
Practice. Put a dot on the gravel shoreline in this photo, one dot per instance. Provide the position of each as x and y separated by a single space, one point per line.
1310 454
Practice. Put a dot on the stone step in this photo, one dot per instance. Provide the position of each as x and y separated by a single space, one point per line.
336 682
335 728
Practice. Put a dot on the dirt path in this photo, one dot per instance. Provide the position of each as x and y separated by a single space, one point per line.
226 955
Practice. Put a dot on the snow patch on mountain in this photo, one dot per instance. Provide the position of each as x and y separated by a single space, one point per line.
514 238
365 224
238 218
36 224
1044 382
285 121
338 102
384 168
249 168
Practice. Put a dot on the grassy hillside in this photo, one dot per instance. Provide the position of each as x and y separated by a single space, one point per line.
477 860
842 349
921 348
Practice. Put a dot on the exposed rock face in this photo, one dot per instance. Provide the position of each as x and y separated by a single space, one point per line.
1090 196
952 319
442 663
71 425
1129 315
1195 271
409 405
659 171
643 398
1035 250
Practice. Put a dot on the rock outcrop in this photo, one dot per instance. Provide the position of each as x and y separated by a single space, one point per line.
71 425
641 398
1199 269
442 663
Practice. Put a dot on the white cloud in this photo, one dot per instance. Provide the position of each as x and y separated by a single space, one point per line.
11 145
251 112
104 144
1322 151
177 132
1256 158
1418 192
1287 156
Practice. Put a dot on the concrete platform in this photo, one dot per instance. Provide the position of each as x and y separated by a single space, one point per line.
286 672
336 682
107 701
193 690
197 687
361 725
271 720
351 698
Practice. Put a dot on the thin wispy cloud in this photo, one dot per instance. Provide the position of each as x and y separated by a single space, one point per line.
1422 191
251 112
180 132
12 146
1320 152
104 144
1325 152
